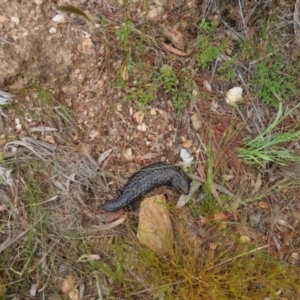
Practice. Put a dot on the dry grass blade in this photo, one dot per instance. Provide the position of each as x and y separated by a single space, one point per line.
66 174
50 185
216 186
72 9
12 240
297 22
70 164
240 255
5 98
223 141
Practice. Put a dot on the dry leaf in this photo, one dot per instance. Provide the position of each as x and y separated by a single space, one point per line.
228 177
85 148
245 239
88 257
74 294
174 35
203 84
93 134
139 117
215 19
196 121
155 13
283 222
128 154
49 139
188 144
257 185
2 291
222 225
42 129
219 217
207 86
216 194
155 227
124 73
213 246
33 289
263 204
68 284
119 107
153 111
295 256
149 155
184 199
245 230
174 50
104 156
201 170
87 45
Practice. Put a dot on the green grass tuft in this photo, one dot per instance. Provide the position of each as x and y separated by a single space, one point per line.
266 147
272 76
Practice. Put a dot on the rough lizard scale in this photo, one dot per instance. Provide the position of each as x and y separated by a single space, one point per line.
145 180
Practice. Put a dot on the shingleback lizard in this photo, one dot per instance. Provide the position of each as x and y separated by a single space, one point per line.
145 180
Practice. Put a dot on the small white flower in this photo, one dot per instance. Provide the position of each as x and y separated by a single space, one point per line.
186 157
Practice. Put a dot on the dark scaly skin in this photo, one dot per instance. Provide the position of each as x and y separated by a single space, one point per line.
145 180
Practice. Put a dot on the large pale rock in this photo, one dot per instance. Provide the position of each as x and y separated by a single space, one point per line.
155 227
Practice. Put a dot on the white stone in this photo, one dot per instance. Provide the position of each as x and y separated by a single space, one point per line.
38 2
142 127
15 20
52 30
59 18
234 95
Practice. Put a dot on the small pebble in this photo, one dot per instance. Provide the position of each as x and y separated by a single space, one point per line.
87 45
142 127
59 18
18 124
234 95
52 30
